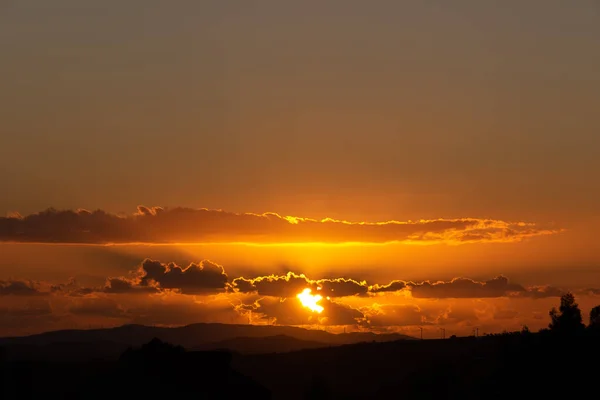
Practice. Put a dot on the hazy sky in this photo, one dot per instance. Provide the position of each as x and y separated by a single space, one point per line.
411 109
354 110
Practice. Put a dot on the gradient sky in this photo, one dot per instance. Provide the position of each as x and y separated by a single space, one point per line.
353 110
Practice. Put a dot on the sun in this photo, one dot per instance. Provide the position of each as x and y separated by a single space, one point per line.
310 301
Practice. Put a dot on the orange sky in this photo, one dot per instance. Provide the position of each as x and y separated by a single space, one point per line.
459 140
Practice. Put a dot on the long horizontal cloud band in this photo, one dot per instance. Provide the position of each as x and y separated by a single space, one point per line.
207 277
264 299
290 284
186 225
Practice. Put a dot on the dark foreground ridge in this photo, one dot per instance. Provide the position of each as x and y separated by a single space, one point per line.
555 363
157 370
534 365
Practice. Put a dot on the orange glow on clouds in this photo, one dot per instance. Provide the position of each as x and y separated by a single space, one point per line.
310 301
179 225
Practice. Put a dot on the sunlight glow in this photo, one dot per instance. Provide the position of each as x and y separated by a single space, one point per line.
310 301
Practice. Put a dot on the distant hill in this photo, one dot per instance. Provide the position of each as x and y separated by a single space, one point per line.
262 345
109 343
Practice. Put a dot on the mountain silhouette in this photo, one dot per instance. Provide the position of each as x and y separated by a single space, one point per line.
261 345
111 342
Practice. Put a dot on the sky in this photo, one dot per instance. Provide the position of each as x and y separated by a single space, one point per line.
416 142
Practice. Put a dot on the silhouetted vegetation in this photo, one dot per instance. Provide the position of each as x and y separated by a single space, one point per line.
567 319
552 363
595 319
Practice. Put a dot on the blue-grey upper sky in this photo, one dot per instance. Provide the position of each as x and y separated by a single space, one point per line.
350 109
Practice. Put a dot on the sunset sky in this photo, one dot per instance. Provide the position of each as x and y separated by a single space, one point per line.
424 163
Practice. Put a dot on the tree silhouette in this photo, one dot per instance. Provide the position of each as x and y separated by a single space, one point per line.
567 319
595 319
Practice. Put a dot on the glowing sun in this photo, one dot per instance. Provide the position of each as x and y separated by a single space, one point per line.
310 300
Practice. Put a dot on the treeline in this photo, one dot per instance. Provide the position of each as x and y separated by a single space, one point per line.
567 320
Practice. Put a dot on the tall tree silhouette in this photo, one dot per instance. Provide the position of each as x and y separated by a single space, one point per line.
595 319
567 319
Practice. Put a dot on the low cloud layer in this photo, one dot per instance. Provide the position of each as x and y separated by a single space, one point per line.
185 225
161 293
20 288
193 279
153 276
468 288
209 278
291 284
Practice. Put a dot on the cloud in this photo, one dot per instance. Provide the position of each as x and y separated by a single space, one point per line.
393 286
19 288
123 285
289 311
499 286
160 293
207 277
154 276
288 285
539 292
465 288
291 284
187 225
340 287
204 277
459 305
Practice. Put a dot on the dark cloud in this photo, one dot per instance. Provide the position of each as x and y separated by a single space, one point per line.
288 285
465 288
341 287
19 288
204 277
291 284
393 286
539 292
181 225
124 285
154 276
